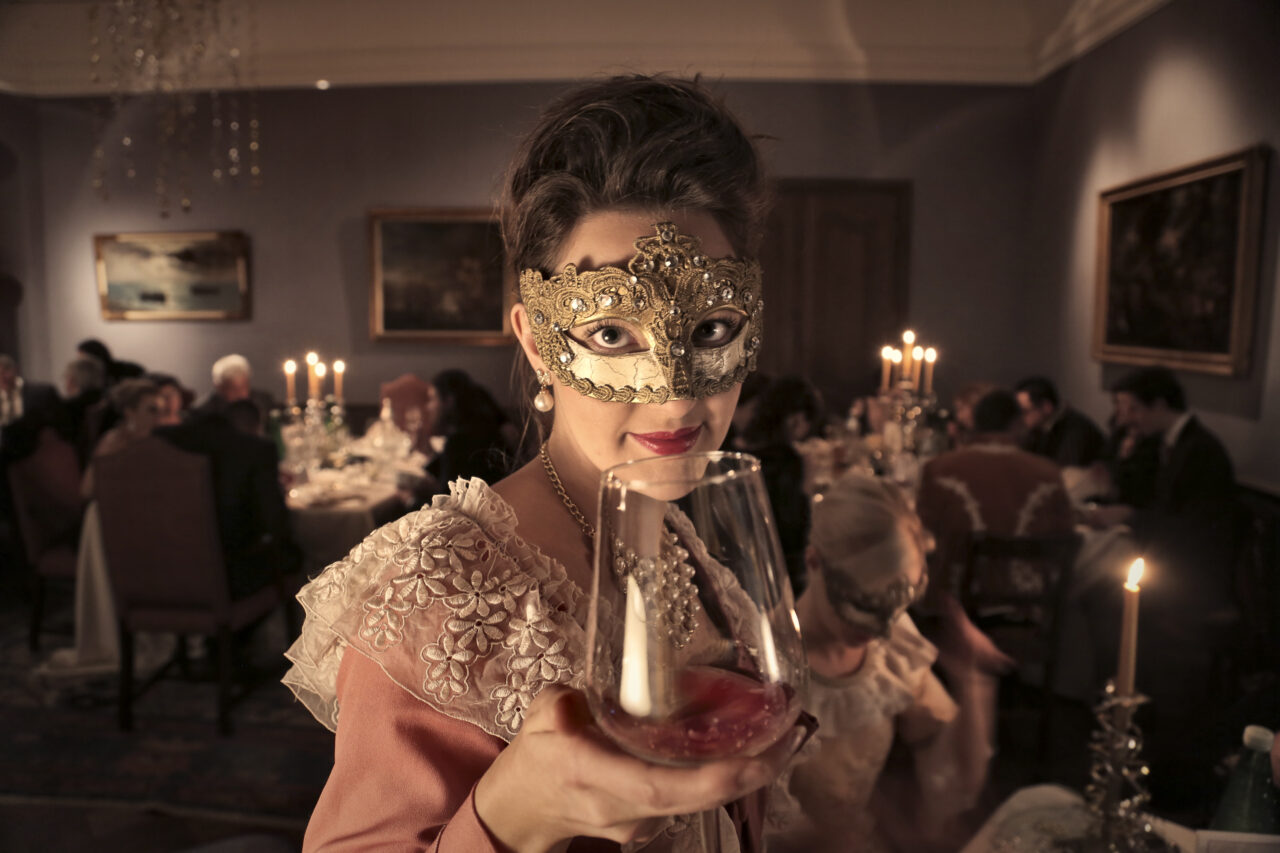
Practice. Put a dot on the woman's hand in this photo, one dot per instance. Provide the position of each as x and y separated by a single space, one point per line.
562 777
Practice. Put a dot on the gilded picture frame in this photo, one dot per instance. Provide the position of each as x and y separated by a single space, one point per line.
438 276
1178 265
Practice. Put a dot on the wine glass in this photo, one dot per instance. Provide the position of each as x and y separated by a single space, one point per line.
693 646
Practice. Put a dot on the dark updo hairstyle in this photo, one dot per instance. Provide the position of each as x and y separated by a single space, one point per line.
658 144
637 143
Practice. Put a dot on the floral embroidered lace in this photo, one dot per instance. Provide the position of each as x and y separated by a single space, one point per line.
463 614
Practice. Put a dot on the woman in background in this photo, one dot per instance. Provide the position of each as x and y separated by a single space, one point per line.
137 404
871 683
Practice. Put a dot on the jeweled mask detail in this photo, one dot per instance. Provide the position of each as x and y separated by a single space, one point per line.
667 290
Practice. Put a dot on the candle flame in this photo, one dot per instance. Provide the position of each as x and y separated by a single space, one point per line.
931 355
897 356
291 367
886 352
908 337
1135 574
917 353
320 369
312 358
339 366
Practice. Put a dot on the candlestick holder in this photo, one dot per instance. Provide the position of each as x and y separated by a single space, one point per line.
1117 790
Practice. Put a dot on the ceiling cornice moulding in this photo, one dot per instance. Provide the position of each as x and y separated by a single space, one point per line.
44 45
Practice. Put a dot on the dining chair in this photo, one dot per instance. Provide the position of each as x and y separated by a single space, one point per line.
408 393
166 564
1014 588
48 507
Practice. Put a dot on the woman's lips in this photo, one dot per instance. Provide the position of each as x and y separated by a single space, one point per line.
669 443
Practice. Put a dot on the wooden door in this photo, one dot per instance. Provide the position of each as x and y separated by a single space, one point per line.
836 282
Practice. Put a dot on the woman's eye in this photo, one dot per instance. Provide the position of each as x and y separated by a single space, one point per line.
716 331
612 339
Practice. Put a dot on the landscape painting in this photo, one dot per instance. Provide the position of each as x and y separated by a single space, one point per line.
173 276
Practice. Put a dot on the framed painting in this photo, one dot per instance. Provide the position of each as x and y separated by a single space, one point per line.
438 275
192 275
1178 266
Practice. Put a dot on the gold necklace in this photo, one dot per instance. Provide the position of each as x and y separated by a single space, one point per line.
577 514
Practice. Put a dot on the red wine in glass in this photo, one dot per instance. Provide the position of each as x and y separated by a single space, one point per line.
719 714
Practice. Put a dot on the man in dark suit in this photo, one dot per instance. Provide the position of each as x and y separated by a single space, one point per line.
253 521
1054 429
1188 527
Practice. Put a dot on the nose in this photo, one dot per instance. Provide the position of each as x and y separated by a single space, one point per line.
678 410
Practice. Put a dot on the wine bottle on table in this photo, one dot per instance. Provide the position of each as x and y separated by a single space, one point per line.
1251 802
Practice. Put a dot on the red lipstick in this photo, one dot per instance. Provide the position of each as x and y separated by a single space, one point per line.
669 443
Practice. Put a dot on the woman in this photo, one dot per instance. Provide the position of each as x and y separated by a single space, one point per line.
871 683
137 403
451 640
173 399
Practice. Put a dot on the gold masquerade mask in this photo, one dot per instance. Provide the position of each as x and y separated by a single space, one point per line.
667 292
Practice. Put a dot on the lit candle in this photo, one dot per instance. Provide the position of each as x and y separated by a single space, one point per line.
290 378
908 338
917 361
1129 631
312 360
886 366
897 363
339 370
321 370
930 356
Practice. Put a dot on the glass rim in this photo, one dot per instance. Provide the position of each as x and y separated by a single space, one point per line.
609 476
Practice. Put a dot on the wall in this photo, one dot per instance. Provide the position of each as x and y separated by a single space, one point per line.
330 156
21 235
1195 80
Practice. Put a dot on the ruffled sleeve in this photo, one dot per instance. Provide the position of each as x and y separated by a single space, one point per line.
453 607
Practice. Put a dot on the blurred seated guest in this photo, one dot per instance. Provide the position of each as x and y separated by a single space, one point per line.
472 423
790 411
232 381
113 370
1130 461
137 402
83 405
992 486
415 407
1054 429
253 521
1188 527
748 404
19 397
173 399
871 684
960 426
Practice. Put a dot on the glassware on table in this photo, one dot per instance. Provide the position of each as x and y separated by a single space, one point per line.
693 646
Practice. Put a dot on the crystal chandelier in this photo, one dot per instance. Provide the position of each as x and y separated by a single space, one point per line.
165 52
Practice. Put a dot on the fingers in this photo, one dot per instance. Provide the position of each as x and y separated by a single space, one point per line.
647 789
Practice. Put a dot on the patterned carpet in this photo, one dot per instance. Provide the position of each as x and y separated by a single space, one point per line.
59 738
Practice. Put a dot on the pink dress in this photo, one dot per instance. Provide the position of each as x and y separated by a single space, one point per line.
421 650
